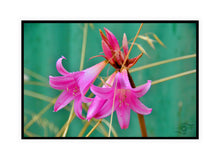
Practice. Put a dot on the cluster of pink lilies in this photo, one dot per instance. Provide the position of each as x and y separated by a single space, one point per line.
116 94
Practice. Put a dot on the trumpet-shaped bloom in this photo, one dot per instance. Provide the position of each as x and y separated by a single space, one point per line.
123 98
112 50
75 85
96 108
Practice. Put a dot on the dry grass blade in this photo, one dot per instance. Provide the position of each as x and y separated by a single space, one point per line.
94 128
64 126
126 58
142 49
85 30
84 128
148 39
37 95
36 83
102 129
172 77
35 118
113 106
158 40
68 121
91 25
161 62
35 75
104 132
113 130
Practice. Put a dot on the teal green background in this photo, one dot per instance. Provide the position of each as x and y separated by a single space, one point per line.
173 102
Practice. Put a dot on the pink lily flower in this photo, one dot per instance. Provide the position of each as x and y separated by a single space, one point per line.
96 107
75 85
112 50
123 98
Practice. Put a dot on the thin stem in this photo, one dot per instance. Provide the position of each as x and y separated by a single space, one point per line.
36 83
85 30
37 95
142 125
113 130
35 75
140 117
84 128
162 62
64 126
110 127
104 132
126 58
68 121
94 128
172 77
102 128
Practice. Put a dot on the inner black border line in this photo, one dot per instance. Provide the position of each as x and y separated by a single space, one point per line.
111 21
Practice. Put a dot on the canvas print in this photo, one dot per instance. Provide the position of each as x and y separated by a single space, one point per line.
110 79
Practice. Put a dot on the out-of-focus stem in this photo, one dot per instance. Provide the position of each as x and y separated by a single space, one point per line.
85 30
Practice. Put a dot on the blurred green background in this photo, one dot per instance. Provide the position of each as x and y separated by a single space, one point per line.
173 102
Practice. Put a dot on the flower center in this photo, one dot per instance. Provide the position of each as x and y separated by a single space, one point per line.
123 95
75 91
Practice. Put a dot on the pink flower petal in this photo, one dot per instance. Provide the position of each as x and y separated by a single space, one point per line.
104 37
89 76
118 57
64 82
112 39
78 108
107 52
106 109
122 80
86 99
123 114
65 98
97 104
125 44
104 93
139 107
127 83
94 107
142 90
110 80
133 61
60 67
